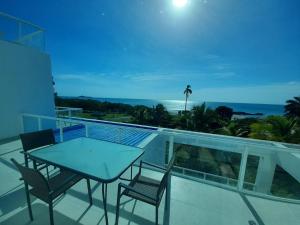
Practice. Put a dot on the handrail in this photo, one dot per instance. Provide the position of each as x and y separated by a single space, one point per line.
165 131
261 144
20 20
227 179
34 38
27 36
87 121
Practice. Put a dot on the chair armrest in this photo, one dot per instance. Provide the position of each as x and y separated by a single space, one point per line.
153 165
134 190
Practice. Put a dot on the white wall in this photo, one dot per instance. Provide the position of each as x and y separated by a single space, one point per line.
25 86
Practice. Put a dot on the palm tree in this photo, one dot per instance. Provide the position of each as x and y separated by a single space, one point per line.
292 107
187 92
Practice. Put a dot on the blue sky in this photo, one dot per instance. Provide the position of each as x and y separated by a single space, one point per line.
232 51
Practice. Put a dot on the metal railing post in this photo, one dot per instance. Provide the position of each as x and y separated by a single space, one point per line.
61 131
119 135
86 130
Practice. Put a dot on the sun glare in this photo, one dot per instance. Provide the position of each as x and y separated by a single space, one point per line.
179 3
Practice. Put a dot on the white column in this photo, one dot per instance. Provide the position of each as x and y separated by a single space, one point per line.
86 130
265 173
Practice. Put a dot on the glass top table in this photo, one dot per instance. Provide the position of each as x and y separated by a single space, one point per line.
99 160
93 159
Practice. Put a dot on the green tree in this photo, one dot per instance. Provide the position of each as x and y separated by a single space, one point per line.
292 108
161 116
142 115
205 119
187 92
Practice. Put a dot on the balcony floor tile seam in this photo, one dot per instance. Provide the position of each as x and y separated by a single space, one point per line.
252 209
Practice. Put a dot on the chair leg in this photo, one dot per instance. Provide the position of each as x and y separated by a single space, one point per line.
26 160
118 205
51 213
47 173
34 165
28 202
89 191
104 197
156 215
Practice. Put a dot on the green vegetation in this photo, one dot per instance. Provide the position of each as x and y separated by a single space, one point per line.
284 128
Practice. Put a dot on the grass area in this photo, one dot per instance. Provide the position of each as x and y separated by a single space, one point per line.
115 117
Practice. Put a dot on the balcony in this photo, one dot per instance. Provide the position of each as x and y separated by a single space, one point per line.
226 195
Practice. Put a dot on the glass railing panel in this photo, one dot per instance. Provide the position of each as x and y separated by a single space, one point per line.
16 30
206 163
251 172
284 185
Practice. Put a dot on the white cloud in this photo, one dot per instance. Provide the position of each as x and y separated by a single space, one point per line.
269 93
223 75
153 77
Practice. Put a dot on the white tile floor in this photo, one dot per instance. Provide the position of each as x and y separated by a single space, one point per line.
192 203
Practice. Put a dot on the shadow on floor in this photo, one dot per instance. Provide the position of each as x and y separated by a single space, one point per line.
40 217
8 164
13 200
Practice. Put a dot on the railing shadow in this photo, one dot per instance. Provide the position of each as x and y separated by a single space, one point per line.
40 216
13 200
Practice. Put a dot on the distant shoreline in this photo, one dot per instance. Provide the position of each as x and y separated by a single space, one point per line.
174 106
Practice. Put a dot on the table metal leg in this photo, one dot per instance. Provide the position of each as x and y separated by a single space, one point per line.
104 197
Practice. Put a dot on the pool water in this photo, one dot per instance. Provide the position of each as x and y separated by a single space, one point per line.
122 134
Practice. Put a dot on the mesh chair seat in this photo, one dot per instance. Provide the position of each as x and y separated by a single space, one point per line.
58 184
148 186
146 189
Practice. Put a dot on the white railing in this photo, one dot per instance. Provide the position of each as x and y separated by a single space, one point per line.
66 111
268 152
211 177
21 32
62 123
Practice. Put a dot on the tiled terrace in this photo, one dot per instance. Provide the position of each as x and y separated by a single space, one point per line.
192 203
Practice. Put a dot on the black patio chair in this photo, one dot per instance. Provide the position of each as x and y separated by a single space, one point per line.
145 189
48 190
33 140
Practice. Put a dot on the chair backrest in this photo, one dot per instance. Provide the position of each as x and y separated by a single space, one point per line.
32 177
37 139
164 181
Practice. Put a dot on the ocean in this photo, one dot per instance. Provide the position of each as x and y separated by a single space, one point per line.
176 105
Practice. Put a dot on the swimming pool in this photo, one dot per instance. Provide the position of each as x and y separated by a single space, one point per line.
131 135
